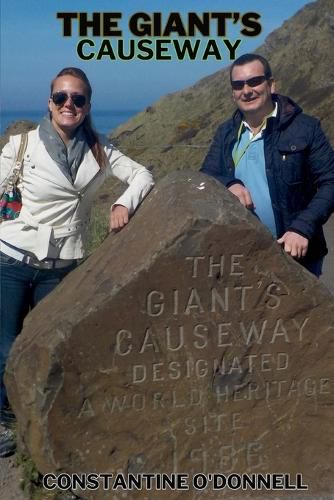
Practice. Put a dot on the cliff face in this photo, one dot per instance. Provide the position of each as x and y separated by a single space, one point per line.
175 132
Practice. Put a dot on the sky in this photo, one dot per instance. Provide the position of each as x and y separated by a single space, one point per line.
33 49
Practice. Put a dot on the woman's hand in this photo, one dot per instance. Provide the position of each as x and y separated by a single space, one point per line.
119 217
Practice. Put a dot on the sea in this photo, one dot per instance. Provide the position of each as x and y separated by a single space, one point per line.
104 120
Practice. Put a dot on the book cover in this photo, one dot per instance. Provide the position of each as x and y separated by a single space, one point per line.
160 89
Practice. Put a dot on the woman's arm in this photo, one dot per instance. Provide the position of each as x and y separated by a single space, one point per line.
139 180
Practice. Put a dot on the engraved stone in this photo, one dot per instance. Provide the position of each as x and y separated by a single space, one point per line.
187 343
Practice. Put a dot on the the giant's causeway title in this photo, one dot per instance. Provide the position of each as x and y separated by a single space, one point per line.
157 35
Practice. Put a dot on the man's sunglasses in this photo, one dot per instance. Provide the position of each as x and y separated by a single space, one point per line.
251 82
59 98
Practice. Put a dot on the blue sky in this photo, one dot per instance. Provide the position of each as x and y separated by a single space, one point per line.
33 50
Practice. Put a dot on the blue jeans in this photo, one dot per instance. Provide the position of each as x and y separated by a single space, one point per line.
315 267
21 288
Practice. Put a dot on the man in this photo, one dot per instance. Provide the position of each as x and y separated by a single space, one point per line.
277 161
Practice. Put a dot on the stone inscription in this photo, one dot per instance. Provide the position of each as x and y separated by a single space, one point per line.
218 324
273 390
224 336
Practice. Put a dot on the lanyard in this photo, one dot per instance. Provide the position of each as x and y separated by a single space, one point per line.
237 154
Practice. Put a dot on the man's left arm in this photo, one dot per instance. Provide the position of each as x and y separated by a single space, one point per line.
321 163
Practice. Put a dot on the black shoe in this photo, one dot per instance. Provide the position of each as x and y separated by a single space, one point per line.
7 417
7 442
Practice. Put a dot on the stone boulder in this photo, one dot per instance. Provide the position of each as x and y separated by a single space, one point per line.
187 343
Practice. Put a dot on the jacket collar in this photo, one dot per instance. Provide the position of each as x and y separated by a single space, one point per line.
287 110
89 168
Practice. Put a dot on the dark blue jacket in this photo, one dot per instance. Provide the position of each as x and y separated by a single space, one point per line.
299 167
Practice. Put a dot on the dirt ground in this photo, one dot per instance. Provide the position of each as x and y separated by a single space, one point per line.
10 478
10 475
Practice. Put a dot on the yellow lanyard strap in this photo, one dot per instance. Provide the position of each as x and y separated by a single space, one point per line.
236 154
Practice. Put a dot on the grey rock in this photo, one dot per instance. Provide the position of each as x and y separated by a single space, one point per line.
188 342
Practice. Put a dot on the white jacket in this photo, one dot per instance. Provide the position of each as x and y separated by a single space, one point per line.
55 213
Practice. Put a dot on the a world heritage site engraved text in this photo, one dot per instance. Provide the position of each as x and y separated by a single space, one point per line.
204 334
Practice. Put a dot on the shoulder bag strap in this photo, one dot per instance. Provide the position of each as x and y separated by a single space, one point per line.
22 149
19 160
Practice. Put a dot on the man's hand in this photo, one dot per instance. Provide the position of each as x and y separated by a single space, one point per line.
294 244
243 195
119 217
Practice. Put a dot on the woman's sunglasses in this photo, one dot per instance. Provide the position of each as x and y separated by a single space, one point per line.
59 98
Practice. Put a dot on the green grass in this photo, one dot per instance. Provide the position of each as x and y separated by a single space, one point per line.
31 482
31 478
98 229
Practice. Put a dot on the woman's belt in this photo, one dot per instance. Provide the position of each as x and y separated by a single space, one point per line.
31 260
47 263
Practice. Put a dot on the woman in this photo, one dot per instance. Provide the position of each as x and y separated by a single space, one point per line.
64 164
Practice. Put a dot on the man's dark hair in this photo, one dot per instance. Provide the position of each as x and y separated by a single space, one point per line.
247 58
